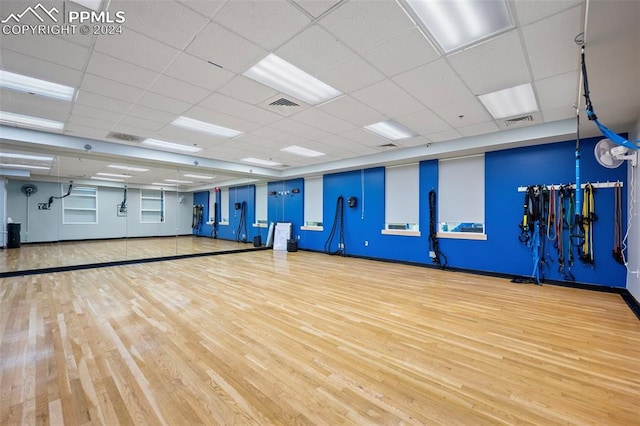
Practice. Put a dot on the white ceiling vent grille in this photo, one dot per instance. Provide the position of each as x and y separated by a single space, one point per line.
519 121
124 137
283 102
283 105
388 146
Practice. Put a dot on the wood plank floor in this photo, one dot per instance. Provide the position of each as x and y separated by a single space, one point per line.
49 255
304 338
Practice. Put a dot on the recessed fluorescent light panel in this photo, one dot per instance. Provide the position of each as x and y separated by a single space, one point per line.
13 119
170 145
113 175
107 179
25 156
391 130
35 86
177 181
304 152
24 166
260 161
204 127
189 175
455 24
128 168
279 74
164 184
509 102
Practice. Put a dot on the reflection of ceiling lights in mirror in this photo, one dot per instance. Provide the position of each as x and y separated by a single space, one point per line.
35 86
23 166
115 175
177 181
128 168
170 145
304 152
22 120
204 127
190 175
107 179
164 184
391 130
25 156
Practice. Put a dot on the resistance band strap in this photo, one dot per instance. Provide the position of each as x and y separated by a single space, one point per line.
434 244
618 253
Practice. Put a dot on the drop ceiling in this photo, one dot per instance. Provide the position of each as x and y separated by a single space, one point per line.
187 58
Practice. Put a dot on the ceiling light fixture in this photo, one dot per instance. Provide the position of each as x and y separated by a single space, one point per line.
11 118
170 145
177 181
115 175
107 179
454 24
204 127
128 168
298 150
35 86
189 175
25 156
260 162
24 166
164 184
510 102
282 76
391 130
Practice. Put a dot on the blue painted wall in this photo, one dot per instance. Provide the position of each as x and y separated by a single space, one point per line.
285 205
505 171
202 198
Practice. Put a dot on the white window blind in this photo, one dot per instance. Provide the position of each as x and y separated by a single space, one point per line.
313 188
402 197
261 203
461 194
224 204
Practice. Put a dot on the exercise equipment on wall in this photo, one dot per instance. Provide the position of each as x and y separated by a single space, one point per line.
338 226
564 223
242 223
197 218
122 207
434 245
61 197
588 217
618 252
214 230
533 227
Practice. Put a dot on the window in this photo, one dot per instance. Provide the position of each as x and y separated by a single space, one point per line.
402 200
81 206
224 206
261 205
461 197
313 203
151 206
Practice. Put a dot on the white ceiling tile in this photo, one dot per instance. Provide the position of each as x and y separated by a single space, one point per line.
402 53
556 114
112 89
176 89
353 111
478 129
365 137
362 26
37 106
92 123
207 8
559 91
463 113
138 49
447 135
322 120
163 103
493 65
266 23
299 129
152 114
434 84
102 102
270 132
50 49
183 136
165 21
389 99
222 103
261 116
557 57
315 50
198 72
33 67
95 113
351 75
141 123
530 11
225 48
220 119
118 70
316 8
424 122
247 90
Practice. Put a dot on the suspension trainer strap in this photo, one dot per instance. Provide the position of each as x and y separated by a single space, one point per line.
434 245
338 225
551 215
571 224
618 253
588 218
560 229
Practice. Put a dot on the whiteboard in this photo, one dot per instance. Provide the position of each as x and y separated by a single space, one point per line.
282 234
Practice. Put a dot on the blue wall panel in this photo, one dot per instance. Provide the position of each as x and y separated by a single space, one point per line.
286 206
240 194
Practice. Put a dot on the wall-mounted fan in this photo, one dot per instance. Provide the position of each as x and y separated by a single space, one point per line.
28 189
611 155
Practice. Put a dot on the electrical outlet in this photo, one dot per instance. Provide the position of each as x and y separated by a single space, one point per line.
366 243
44 206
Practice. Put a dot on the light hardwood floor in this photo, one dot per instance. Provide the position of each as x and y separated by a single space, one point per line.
49 255
303 338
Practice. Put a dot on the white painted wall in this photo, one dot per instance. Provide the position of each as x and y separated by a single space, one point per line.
633 251
3 212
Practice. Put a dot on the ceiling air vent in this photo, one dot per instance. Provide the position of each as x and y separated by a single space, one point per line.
388 146
124 137
282 102
519 120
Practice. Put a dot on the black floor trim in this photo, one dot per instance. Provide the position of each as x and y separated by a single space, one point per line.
633 304
122 263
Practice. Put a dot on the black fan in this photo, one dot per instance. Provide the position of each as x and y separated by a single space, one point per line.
28 189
